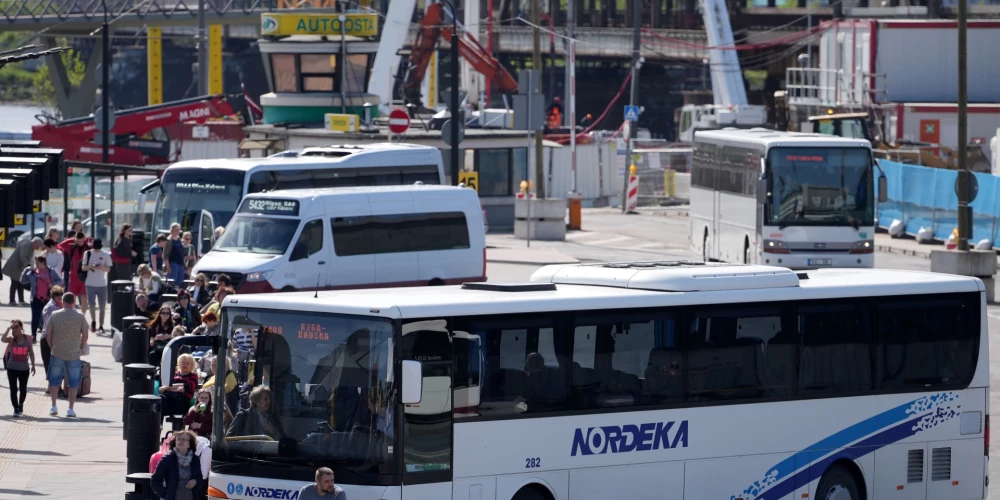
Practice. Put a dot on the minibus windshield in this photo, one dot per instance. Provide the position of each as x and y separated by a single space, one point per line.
263 235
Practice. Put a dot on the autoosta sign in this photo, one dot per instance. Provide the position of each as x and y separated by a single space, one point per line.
359 24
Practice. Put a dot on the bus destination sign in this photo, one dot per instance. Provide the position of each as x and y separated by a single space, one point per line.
270 207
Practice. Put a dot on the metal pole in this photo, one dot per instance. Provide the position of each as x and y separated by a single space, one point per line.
105 88
202 51
571 86
809 54
343 62
455 112
633 127
536 64
964 214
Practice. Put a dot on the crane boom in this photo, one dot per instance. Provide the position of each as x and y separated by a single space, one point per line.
727 75
437 25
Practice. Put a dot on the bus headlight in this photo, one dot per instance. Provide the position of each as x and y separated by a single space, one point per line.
259 276
864 246
775 246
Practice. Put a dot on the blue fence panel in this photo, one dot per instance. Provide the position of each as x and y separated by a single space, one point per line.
925 197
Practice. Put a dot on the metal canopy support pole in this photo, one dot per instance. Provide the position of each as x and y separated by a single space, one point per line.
202 51
536 64
964 213
343 61
455 112
105 88
633 127
571 87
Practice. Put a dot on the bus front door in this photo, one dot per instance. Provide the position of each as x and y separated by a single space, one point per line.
206 233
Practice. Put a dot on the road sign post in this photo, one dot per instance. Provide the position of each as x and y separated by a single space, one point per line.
632 113
399 121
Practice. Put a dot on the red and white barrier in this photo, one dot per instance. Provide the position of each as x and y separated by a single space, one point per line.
632 199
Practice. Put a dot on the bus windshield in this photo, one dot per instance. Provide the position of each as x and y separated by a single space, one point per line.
185 192
820 187
263 235
317 389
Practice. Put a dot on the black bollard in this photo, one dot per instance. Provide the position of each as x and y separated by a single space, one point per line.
130 320
122 302
138 380
143 432
135 343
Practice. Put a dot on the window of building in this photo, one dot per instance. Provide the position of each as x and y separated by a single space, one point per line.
284 73
356 76
494 167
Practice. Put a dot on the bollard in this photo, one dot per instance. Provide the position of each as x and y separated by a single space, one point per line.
143 490
122 302
135 342
575 211
138 380
130 320
143 431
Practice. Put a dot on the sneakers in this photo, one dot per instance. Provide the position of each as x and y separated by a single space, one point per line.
93 326
17 413
54 411
70 413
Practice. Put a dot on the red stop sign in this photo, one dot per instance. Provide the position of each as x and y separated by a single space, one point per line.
399 121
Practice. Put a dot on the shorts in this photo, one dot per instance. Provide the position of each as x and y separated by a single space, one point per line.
71 369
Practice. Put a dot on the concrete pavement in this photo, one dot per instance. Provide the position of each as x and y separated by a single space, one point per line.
59 457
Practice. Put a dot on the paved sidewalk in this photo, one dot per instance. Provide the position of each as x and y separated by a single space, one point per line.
59 457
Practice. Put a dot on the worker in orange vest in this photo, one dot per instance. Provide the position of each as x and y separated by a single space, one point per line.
555 113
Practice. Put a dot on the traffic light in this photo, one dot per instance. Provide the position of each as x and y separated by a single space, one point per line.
54 163
8 202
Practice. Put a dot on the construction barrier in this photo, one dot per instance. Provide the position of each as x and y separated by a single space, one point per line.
632 198
924 197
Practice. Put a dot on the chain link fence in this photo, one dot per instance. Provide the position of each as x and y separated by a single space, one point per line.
664 175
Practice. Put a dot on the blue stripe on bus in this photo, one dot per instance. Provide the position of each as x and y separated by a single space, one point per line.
845 437
862 448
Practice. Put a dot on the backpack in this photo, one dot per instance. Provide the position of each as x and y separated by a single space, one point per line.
80 273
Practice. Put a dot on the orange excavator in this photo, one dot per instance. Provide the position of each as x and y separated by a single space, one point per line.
437 24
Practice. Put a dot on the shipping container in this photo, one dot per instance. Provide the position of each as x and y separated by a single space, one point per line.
892 61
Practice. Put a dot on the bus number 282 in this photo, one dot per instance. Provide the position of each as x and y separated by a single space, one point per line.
532 463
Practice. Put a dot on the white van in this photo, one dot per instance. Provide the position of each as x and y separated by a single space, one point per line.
352 238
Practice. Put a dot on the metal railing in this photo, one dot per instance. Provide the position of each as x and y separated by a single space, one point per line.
834 88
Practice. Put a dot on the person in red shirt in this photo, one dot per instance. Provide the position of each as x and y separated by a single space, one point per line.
75 249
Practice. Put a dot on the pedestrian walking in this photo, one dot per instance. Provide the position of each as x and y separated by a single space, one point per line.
98 264
173 254
77 277
20 355
122 254
323 488
54 257
190 252
20 259
40 279
156 254
178 473
66 333
55 303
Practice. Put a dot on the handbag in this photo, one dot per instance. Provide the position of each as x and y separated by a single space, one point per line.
80 273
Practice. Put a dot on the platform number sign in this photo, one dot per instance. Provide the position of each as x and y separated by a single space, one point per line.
470 179
18 219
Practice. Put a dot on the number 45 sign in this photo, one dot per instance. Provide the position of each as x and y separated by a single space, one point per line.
470 179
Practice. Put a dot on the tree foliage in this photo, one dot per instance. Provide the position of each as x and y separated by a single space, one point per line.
31 83
42 81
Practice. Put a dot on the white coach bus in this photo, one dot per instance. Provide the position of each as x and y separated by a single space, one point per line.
634 381
788 199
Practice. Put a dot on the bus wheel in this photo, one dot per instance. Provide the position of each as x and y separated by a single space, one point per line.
288 289
531 492
838 484
436 282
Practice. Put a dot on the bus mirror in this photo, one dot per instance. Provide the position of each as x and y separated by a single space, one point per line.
413 380
883 190
762 190
141 207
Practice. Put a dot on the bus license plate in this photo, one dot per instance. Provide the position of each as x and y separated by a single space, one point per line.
820 262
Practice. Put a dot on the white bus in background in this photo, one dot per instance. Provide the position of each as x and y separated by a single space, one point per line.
307 239
204 194
789 199
634 381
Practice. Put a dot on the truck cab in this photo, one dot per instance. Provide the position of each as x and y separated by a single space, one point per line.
849 125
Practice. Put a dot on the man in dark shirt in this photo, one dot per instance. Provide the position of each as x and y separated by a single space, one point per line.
324 488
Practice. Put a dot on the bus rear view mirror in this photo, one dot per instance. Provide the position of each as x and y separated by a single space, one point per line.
413 381
762 190
883 190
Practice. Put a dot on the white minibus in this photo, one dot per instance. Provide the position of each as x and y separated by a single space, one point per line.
639 381
306 239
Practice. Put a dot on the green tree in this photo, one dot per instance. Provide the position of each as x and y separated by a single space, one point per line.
45 92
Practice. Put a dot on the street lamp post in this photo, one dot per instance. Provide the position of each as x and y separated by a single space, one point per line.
455 113
105 87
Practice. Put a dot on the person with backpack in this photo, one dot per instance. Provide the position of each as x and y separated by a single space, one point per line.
77 276
18 260
39 279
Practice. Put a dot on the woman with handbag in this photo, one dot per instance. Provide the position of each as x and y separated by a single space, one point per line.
40 279
20 352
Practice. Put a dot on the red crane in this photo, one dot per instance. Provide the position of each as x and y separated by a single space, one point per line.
137 140
437 24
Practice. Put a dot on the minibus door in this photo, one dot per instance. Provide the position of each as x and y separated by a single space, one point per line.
206 233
